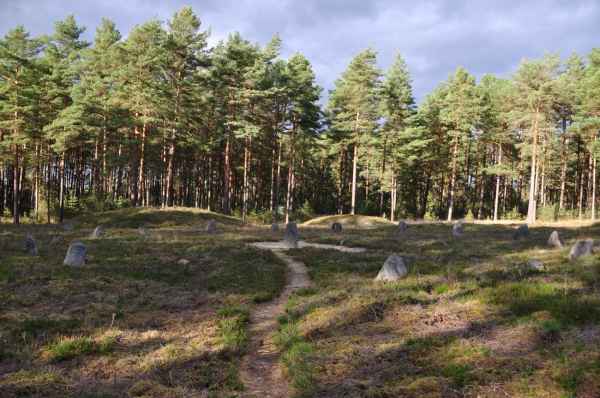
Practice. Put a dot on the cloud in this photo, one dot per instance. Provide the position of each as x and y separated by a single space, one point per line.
435 36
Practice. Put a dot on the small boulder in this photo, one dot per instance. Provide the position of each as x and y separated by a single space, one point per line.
522 233
392 269
342 242
554 241
212 226
274 227
532 264
291 235
76 255
56 240
402 230
457 230
336 227
98 232
31 244
583 248
144 231
68 226
183 261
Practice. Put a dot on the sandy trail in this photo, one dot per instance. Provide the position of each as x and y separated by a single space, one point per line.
260 370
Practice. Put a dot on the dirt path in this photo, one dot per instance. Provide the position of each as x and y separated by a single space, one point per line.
261 371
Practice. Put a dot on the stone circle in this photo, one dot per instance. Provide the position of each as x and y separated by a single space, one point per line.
212 226
76 255
522 232
402 230
554 241
98 232
392 269
336 227
583 248
31 244
457 230
290 238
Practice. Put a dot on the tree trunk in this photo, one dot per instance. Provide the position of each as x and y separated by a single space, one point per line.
354 168
452 180
16 195
246 179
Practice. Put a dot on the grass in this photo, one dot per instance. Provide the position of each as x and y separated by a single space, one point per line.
135 320
165 314
469 319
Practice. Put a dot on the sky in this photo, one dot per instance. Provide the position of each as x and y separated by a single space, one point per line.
434 37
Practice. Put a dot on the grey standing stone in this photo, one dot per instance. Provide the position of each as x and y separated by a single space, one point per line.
336 227
342 242
554 241
98 232
31 244
402 230
291 234
392 269
458 229
274 227
56 240
76 255
212 226
522 232
583 248
144 231
532 264
68 226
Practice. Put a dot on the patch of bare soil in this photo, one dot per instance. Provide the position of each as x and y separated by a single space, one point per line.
260 371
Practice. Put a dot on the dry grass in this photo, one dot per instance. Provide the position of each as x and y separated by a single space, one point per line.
135 320
468 320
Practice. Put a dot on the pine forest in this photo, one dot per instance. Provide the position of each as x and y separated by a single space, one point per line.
160 119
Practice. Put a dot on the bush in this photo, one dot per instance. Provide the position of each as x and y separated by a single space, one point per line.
304 213
513 214
548 213
368 208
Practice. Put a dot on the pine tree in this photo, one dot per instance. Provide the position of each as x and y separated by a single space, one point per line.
458 113
16 100
354 105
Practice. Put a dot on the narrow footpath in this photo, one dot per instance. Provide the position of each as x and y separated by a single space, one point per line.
260 371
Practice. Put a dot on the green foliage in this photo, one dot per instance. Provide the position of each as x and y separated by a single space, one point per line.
304 213
64 348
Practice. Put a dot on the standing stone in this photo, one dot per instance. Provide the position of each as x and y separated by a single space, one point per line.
392 269
402 230
532 264
76 255
56 240
522 232
68 226
458 229
336 227
583 248
98 232
144 231
554 241
31 244
212 226
291 234
274 227
342 242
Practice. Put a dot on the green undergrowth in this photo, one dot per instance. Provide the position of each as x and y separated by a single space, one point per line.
163 314
469 318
